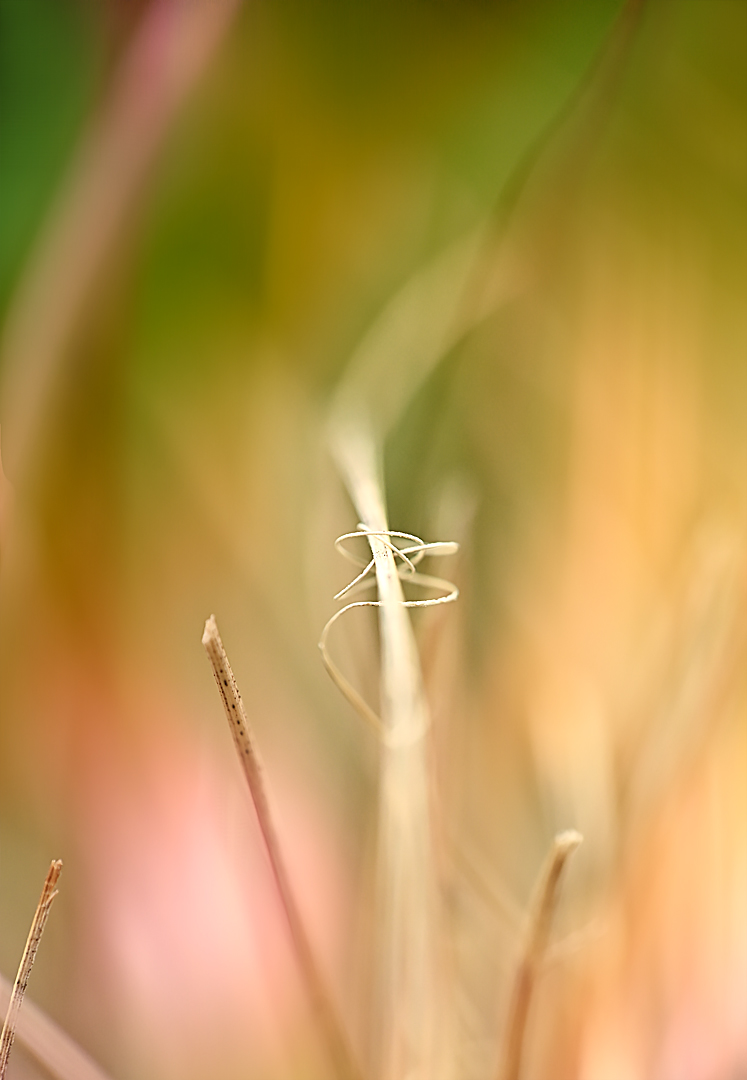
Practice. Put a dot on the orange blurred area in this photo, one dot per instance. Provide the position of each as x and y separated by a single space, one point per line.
208 206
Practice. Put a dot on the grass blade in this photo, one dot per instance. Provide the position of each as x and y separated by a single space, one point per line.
27 962
409 1020
251 763
548 891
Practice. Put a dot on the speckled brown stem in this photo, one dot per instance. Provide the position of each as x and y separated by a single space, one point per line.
27 962
252 765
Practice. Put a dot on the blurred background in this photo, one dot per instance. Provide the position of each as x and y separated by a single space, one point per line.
205 206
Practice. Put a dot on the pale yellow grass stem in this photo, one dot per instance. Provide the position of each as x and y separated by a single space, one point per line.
409 1018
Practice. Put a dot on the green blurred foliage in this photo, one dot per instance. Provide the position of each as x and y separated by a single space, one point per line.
48 69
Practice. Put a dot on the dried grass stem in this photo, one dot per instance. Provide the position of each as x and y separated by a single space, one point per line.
27 962
537 939
246 748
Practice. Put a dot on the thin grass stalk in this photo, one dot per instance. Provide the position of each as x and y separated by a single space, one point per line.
246 748
535 948
408 1018
27 962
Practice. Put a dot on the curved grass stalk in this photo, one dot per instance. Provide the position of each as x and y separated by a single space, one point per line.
454 292
535 948
409 573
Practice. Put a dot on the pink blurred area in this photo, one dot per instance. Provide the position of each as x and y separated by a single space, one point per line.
184 911
182 946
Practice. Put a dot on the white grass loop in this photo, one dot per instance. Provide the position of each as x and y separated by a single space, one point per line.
410 556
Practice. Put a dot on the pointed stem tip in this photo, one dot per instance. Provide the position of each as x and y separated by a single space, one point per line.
27 962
